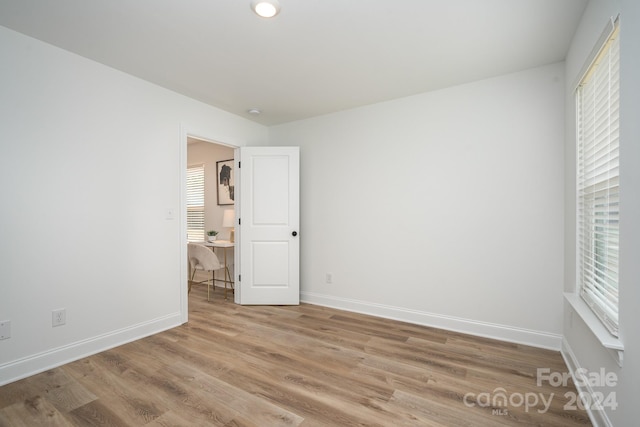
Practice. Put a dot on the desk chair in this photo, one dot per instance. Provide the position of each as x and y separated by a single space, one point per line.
201 258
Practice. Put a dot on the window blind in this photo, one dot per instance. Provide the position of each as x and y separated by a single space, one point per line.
195 203
597 100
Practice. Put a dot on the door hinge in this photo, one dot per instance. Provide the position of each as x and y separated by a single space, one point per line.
239 163
239 277
239 221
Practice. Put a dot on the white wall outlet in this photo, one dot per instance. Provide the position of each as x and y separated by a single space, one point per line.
5 329
328 278
170 214
59 317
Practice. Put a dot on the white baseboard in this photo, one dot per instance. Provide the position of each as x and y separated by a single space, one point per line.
31 365
467 326
598 418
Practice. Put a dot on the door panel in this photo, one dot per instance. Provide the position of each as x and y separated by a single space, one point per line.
271 264
269 215
270 203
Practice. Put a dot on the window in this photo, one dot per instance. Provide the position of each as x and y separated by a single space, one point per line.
195 203
597 101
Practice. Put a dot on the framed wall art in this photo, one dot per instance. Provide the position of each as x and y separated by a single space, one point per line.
225 182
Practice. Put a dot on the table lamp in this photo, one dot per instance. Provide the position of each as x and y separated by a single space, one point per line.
228 220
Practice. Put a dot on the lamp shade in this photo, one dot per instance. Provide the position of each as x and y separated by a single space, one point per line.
228 218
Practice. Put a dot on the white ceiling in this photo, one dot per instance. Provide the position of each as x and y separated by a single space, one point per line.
315 57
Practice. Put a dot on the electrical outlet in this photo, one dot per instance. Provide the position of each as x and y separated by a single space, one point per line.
59 317
328 278
5 329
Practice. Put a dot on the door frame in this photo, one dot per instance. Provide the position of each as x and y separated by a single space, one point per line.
186 132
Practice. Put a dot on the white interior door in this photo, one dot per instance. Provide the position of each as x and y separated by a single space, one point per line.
269 215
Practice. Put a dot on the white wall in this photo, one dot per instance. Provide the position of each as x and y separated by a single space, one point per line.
90 163
443 208
580 346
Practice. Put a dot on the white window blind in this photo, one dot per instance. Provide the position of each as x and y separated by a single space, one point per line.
597 100
195 203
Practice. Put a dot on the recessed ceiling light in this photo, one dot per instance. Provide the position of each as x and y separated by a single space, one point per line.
265 8
254 111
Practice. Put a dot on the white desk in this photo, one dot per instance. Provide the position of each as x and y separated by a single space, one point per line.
225 244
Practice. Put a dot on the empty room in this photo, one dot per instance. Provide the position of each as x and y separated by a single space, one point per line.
411 212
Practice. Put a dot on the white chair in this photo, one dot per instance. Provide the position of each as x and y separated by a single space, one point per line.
202 258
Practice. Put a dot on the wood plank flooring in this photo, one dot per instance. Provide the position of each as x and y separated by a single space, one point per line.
295 366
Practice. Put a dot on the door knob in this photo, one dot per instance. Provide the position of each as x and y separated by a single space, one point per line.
294 234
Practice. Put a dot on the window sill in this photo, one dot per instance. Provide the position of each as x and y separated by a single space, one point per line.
608 341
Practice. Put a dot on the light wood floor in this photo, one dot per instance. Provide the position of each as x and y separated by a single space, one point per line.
287 366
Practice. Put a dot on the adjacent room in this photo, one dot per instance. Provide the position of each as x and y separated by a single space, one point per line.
210 194
462 247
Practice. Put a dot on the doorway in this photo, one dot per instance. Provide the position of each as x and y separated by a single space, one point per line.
206 212
268 190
